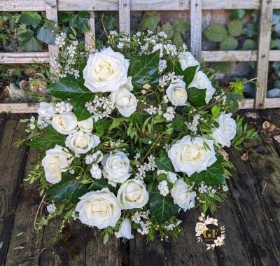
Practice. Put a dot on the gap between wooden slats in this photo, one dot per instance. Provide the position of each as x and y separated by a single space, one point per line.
263 52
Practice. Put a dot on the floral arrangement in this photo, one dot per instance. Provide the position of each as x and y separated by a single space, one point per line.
133 133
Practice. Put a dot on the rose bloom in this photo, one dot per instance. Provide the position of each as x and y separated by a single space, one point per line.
46 111
81 142
226 130
189 156
65 123
106 71
116 167
125 229
186 60
201 81
124 100
56 161
199 228
99 208
132 194
182 195
86 125
176 92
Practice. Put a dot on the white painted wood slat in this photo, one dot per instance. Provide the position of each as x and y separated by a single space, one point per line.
196 27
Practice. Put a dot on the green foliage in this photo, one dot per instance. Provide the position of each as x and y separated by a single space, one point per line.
149 21
196 97
30 18
237 14
163 162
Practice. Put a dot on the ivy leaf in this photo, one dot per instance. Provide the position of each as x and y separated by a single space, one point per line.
32 45
25 35
214 174
81 112
235 28
47 140
30 18
249 45
238 88
117 121
163 162
144 69
180 25
47 33
168 29
250 30
216 33
69 188
237 14
101 125
70 87
162 208
222 67
178 40
229 43
149 22
275 43
196 97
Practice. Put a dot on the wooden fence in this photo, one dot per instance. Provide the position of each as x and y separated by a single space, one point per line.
263 55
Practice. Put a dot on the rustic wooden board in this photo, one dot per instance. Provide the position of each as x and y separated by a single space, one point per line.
12 163
25 241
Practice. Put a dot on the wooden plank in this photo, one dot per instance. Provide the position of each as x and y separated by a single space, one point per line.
196 27
154 253
185 249
112 5
19 107
12 161
227 56
24 58
51 14
99 254
25 240
124 16
263 52
90 35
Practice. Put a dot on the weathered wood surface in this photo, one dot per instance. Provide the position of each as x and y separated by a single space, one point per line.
251 214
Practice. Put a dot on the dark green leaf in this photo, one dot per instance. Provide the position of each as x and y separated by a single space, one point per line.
84 14
275 44
48 140
162 208
137 117
250 30
235 28
25 35
32 45
69 188
30 18
101 125
146 140
178 122
163 162
249 45
81 112
70 87
214 174
180 25
222 67
189 74
178 40
144 69
99 184
229 43
117 121
216 33
48 32
196 97
232 107
237 14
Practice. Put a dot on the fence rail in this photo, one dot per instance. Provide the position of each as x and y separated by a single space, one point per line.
262 56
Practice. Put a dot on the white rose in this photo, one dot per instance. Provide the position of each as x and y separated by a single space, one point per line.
200 228
132 194
46 111
189 155
105 71
99 208
65 123
176 92
201 81
186 60
124 100
81 142
86 125
56 161
125 229
116 167
183 195
226 130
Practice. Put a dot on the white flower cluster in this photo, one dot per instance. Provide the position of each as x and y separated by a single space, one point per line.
204 189
142 218
152 110
60 39
169 114
100 107
192 126
170 227
94 158
142 169
63 107
51 208
163 188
